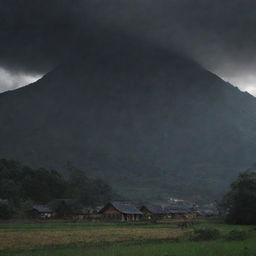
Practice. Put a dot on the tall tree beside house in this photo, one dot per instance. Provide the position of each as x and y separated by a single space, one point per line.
240 202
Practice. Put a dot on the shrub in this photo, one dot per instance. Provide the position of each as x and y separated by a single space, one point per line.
6 211
237 235
205 234
240 202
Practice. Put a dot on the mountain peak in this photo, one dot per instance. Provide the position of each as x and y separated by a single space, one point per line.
151 122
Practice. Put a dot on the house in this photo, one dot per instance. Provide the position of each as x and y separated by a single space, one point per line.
83 213
41 211
175 213
207 212
64 208
178 212
121 210
152 211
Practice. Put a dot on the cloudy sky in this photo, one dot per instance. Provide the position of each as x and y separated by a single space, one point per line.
37 35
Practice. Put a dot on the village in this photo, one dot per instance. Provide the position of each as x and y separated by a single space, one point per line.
118 211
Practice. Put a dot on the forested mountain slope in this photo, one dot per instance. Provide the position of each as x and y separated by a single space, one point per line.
150 122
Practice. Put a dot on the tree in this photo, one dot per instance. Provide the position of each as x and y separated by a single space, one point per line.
6 210
240 202
87 190
41 185
22 186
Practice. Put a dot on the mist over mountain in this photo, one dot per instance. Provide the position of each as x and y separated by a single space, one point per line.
151 122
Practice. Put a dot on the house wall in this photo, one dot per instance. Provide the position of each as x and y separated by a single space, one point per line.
111 211
36 214
146 212
151 216
130 217
112 214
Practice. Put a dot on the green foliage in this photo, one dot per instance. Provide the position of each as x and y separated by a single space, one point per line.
6 210
88 191
23 182
240 202
205 234
41 185
237 235
23 186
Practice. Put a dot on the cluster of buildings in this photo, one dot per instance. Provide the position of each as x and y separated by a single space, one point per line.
113 211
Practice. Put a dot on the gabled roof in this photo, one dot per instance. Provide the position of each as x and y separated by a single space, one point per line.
42 209
122 207
155 209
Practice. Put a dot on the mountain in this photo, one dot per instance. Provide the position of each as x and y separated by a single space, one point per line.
151 122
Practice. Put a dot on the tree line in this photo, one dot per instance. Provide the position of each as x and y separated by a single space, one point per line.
21 186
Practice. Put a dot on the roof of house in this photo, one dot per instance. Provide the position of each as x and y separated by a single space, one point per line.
122 207
42 209
155 209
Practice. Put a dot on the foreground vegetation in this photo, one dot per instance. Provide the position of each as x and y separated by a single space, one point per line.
154 248
27 239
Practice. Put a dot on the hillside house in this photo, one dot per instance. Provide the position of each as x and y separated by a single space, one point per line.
180 212
151 212
175 213
84 213
119 210
41 211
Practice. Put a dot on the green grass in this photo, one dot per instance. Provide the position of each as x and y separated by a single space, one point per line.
156 248
21 225
69 226
181 247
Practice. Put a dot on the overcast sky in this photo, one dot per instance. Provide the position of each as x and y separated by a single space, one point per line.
37 35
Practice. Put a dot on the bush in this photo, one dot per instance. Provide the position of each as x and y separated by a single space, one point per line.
237 235
205 234
6 211
240 202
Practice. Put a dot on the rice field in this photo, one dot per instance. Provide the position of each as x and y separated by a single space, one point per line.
98 239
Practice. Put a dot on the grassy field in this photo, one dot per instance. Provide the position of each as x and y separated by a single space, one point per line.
98 239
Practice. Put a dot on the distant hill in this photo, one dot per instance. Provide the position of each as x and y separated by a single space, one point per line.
152 123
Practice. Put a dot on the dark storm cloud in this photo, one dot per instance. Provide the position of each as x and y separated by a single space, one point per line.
36 35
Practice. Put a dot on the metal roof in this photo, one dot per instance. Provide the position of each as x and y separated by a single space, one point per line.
123 207
42 208
155 209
